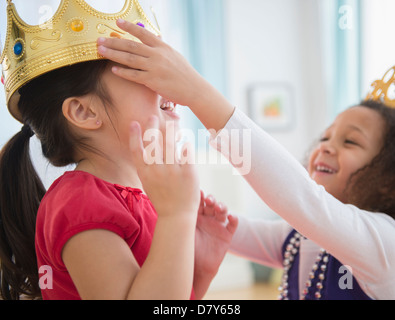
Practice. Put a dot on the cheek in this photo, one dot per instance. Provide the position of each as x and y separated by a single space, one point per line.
312 158
350 165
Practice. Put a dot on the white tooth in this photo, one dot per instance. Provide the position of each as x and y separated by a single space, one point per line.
325 169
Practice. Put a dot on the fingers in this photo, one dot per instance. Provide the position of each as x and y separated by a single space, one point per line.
136 144
140 33
153 154
157 149
133 55
138 76
218 211
233 224
213 209
127 52
209 206
187 156
124 58
201 206
221 212
126 45
154 140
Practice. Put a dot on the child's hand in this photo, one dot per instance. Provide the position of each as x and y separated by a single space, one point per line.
214 232
153 63
174 191
159 67
172 188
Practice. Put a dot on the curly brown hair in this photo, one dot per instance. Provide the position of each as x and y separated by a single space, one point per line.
372 188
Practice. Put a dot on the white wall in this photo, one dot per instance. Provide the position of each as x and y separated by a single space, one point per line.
378 45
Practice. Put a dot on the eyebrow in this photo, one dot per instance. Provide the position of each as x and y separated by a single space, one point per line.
352 127
355 128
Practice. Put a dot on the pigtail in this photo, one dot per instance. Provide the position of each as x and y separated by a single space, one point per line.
21 191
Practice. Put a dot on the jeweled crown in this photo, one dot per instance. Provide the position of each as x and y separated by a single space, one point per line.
69 37
384 90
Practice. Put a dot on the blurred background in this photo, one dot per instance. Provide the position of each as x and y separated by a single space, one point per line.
292 65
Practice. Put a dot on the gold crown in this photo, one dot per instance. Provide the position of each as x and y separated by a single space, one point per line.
69 37
384 90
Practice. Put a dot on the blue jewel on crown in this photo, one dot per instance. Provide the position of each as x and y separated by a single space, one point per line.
18 48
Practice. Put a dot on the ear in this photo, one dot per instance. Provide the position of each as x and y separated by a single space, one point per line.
82 113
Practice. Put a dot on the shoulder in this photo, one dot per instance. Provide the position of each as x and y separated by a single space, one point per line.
79 187
78 202
80 197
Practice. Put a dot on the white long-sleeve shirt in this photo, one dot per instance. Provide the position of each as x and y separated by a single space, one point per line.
360 239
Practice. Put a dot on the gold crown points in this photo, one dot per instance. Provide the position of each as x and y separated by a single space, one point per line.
384 90
69 37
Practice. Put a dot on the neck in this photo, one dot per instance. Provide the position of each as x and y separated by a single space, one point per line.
118 172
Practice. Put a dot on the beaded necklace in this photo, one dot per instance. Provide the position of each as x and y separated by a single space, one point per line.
319 269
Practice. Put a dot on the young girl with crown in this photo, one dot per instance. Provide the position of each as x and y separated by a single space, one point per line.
95 234
336 240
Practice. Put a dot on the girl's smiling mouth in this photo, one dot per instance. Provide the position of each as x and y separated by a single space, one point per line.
169 108
167 105
323 168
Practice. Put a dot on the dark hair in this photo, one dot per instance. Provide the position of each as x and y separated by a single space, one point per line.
21 189
372 188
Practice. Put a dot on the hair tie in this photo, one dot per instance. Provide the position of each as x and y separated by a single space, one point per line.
26 130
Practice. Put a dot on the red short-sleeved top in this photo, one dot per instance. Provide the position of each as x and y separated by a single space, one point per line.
78 202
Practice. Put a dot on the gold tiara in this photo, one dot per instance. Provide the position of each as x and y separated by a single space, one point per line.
384 90
69 37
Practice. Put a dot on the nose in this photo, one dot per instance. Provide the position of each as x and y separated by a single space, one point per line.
328 147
